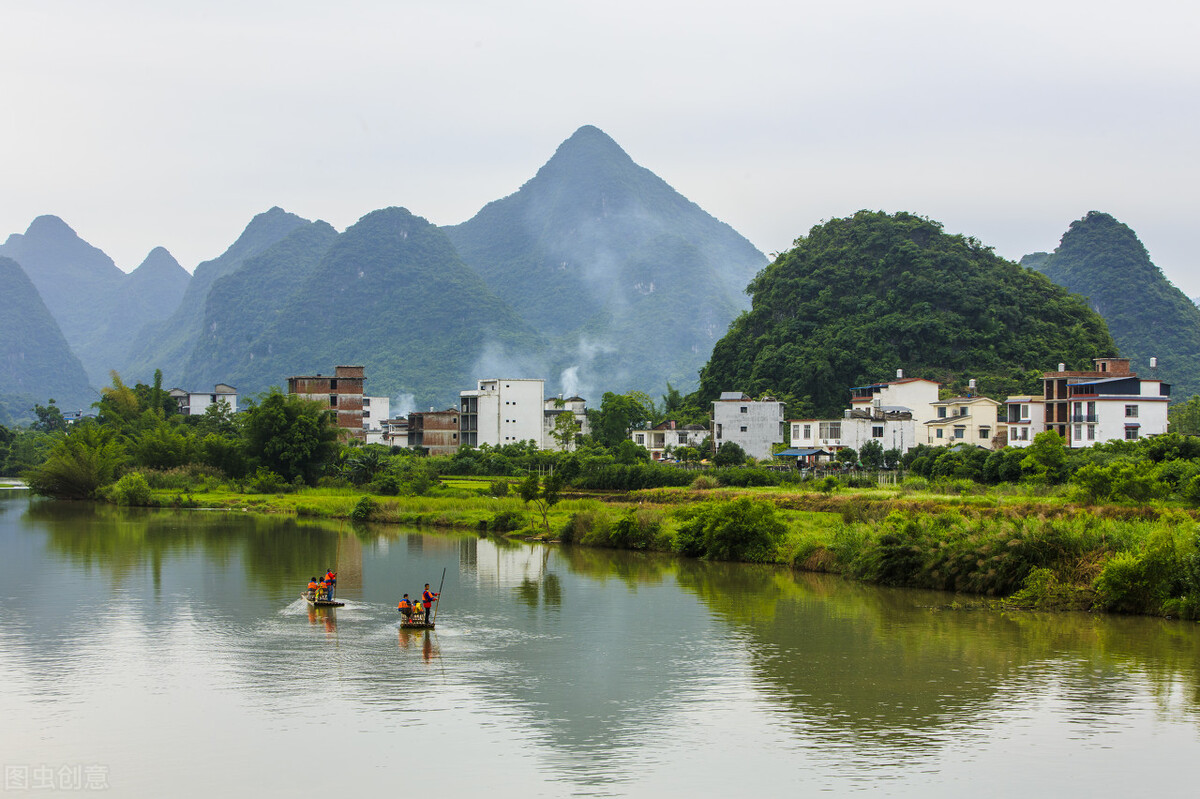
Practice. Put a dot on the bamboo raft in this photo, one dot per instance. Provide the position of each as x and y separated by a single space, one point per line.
322 603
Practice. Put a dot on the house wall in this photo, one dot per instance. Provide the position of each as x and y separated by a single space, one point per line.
343 392
754 426
967 420
1026 418
853 432
500 412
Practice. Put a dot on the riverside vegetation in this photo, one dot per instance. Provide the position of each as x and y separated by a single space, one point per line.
1108 528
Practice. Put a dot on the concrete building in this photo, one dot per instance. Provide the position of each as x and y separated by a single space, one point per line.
555 407
670 435
375 413
343 393
437 432
891 414
192 403
500 412
394 432
964 420
1026 418
1109 402
753 425
892 428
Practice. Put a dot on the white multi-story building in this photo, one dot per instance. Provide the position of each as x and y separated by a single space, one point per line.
1124 408
192 403
890 413
501 412
669 435
375 413
893 428
556 407
754 425
1026 418
964 420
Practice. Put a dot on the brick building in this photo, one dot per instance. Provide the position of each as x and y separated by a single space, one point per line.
343 393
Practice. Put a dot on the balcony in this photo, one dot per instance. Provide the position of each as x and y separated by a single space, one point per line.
1090 418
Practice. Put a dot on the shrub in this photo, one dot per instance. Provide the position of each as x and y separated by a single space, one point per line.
498 488
131 490
266 481
705 482
742 529
386 485
506 521
636 529
364 509
583 525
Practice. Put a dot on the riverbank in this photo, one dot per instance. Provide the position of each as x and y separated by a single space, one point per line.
1021 547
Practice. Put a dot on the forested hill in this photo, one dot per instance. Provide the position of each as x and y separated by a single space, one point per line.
1103 260
167 345
631 280
392 294
861 297
36 363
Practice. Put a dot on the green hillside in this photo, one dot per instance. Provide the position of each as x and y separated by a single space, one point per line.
631 281
1103 260
167 345
392 294
861 297
242 306
36 363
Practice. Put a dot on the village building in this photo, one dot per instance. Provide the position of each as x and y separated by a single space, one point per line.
499 412
193 403
435 432
754 425
662 439
375 414
555 407
394 432
889 413
1107 403
1026 418
342 393
974 421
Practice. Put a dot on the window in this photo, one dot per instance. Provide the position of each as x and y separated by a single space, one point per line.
366 402
333 400
808 431
795 431
829 429
683 438
1024 412
877 431
1091 432
639 438
1079 432
366 414
742 428
1024 433
744 409
1131 433
939 433
333 385
942 412
1131 412
962 410
959 432
985 433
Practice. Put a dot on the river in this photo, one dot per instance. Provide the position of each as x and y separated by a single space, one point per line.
160 653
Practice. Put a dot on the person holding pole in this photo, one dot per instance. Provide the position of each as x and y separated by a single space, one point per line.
427 599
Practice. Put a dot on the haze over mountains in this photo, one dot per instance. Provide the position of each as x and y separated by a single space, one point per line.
595 274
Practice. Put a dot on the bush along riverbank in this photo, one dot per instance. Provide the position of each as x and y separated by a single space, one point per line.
1028 550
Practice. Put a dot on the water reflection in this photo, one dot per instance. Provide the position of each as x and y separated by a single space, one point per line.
559 670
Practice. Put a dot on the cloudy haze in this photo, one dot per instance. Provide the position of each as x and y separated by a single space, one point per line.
149 123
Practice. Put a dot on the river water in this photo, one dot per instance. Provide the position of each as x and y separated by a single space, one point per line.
155 653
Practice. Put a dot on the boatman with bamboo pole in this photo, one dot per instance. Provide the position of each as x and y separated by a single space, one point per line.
427 599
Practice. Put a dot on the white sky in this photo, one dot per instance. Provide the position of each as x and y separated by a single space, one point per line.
162 123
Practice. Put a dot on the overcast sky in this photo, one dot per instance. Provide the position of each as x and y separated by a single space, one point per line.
152 123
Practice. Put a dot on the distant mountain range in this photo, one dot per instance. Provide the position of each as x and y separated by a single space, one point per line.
1103 260
596 275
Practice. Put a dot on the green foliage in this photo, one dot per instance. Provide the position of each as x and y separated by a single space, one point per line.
79 465
1184 417
617 415
861 297
729 453
1103 260
871 456
364 509
266 481
542 494
627 451
740 530
1147 578
291 436
1046 458
132 490
49 419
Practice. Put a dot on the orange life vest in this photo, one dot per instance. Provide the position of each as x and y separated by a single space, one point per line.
312 585
404 605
